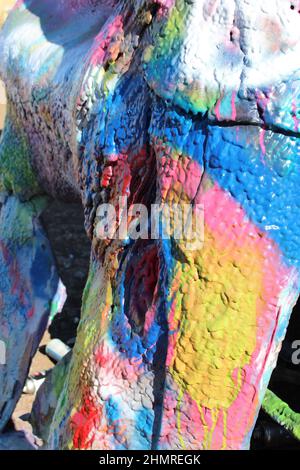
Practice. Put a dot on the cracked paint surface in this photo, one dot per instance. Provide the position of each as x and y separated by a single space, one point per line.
175 102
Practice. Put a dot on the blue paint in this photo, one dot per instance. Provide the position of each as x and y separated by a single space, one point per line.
266 186
234 159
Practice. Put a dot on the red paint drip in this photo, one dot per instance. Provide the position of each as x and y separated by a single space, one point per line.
84 422
30 313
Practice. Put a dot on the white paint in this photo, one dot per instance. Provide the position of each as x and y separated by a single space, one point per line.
2 353
266 42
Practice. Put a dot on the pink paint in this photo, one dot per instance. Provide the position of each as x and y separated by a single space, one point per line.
217 109
149 318
103 39
295 110
18 4
5 252
166 4
210 7
262 141
30 313
184 172
263 101
233 108
220 210
231 229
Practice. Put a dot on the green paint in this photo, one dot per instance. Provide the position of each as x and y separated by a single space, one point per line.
158 60
16 173
282 413
53 311
17 218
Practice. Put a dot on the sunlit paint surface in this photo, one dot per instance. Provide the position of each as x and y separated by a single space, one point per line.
175 346
282 413
28 281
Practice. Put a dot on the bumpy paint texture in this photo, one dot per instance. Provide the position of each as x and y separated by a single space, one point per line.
282 413
177 102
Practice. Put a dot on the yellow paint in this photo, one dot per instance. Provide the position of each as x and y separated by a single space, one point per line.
180 396
215 339
5 6
2 104
224 444
214 417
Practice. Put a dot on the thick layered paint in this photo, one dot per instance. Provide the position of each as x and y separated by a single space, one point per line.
220 374
178 103
262 169
222 312
28 282
205 54
282 413
16 173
